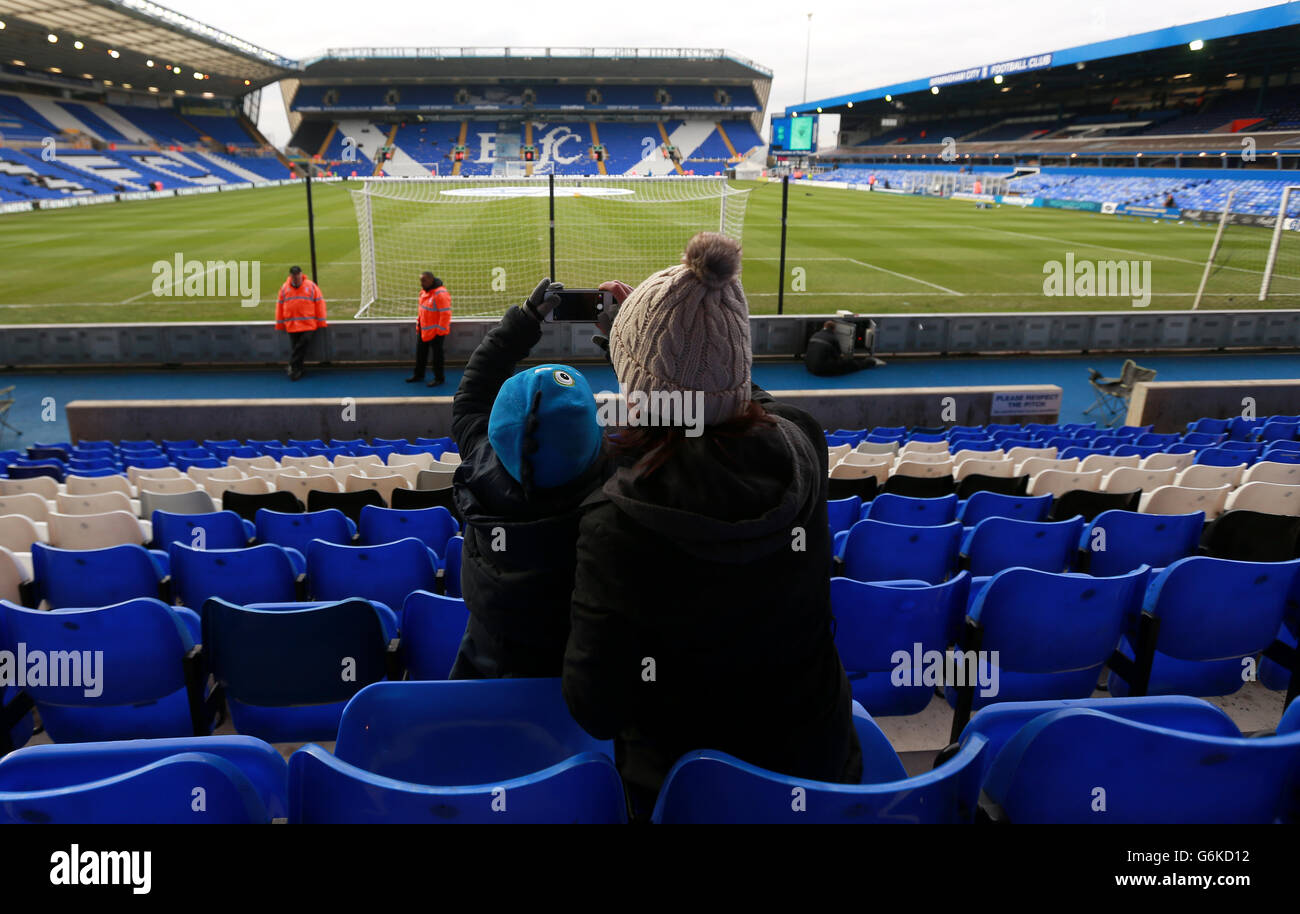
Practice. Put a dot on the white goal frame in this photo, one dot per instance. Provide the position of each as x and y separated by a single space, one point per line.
396 216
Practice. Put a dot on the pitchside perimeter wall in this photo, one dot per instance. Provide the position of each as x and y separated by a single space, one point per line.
387 341
409 417
1170 405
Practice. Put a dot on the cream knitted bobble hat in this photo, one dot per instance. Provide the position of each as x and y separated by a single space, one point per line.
686 329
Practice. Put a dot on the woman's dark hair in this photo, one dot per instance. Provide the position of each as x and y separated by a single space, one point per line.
649 448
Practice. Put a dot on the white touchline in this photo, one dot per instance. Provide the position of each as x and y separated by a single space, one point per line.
933 285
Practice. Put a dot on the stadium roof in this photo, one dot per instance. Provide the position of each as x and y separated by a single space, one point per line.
478 63
1151 53
119 37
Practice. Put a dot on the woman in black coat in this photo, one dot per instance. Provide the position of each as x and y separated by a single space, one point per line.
701 603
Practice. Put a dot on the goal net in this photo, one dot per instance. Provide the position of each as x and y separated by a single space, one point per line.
1253 258
491 239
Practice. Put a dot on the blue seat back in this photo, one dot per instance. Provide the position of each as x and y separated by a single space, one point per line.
1041 622
713 787
433 626
983 505
115 672
998 543
288 673
461 732
1083 765
387 573
93 577
256 574
999 722
1119 541
432 526
877 551
1225 456
584 789
220 530
451 576
843 513
1215 609
913 512
297 529
67 765
874 622
159 793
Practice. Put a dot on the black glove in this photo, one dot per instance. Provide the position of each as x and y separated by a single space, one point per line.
543 300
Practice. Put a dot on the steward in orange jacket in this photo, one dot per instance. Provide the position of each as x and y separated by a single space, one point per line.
299 311
433 323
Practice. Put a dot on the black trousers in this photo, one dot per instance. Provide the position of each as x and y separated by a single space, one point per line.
423 351
299 341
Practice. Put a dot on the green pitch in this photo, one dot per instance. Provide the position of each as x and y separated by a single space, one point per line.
871 253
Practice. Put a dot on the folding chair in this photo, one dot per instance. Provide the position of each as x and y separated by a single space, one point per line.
1113 393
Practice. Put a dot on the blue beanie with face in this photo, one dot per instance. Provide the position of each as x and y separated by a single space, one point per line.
543 426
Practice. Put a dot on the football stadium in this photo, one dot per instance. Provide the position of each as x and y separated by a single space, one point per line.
555 435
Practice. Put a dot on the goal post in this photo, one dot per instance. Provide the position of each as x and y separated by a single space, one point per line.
490 239
1254 257
1288 204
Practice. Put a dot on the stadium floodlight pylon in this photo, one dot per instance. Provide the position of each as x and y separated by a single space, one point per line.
1251 262
491 239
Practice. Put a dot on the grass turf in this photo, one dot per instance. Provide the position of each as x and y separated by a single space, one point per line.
872 253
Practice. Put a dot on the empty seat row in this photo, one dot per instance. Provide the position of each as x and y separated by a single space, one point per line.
450 752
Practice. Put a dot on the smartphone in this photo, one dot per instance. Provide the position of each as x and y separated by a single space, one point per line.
581 304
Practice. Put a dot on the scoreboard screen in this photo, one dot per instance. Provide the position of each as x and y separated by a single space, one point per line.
794 134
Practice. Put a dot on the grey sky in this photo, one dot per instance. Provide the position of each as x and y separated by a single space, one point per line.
855 44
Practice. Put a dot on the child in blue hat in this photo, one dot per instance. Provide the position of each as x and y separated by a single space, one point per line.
531 452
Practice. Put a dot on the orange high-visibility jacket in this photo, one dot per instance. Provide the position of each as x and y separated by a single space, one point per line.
300 309
435 313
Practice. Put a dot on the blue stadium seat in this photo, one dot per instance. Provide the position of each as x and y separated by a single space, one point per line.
1201 617
983 505
452 566
1082 765
1053 633
843 513
997 543
221 530
145 782
256 574
443 751
139 675
1119 541
1133 450
707 786
1225 457
1204 439
387 573
288 671
912 512
297 530
95 577
432 526
877 551
875 621
432 629
1210 426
